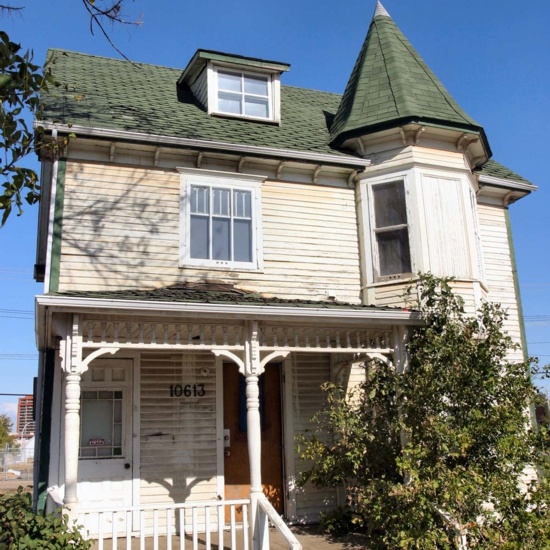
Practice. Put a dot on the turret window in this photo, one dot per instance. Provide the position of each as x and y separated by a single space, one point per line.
391 230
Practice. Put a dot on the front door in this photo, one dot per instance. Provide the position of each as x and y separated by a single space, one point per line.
105 454
236 464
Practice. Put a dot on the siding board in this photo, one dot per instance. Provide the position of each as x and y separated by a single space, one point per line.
309 372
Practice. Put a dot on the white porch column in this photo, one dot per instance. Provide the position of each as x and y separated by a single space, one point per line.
71 356
72 439
252 366
252 370
74 366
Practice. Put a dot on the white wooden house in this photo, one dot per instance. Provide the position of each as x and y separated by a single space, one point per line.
215 245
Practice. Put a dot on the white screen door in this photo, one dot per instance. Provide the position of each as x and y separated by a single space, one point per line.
105 453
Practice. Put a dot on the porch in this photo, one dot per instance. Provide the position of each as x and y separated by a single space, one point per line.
164 415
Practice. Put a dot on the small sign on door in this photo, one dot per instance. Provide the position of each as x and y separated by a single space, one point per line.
96 442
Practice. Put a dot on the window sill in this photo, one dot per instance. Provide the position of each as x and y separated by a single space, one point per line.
270 121
391 279
216 267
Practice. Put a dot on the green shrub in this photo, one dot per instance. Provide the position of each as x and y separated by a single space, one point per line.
21 528
433 453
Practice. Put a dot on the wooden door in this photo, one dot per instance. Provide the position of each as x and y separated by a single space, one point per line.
236 463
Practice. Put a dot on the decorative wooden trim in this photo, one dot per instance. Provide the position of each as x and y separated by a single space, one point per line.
53 266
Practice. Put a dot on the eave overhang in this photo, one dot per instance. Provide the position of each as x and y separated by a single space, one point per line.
338 160
339 140
508 190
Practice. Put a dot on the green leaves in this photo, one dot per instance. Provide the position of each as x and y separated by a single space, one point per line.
21 528
20 84
438 454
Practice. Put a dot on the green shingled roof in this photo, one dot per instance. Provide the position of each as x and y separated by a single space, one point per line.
391 85
214 294
115 94
496 170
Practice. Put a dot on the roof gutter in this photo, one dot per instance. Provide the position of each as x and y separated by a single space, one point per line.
507 184
68 304
253 150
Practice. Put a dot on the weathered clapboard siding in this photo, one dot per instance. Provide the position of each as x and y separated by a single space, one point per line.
498 268
393 294
200 88
445 240
177 434
420 155
121 230
309 372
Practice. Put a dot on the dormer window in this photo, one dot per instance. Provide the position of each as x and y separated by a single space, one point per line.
236 86
244 94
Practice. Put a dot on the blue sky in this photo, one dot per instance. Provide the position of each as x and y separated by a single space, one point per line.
492 55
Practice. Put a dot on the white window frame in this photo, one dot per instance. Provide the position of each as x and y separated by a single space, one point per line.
373 230
273 87
225 180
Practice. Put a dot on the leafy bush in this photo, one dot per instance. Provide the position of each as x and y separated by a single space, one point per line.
434 455
21 528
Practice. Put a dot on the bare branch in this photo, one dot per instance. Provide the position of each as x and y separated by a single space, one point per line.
7 9
111 12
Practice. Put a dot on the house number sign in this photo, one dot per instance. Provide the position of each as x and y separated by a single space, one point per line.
189 390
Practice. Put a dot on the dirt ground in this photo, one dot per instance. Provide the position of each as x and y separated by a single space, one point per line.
11 485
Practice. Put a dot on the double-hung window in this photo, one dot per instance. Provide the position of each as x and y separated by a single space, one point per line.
391 230
244 94
220 220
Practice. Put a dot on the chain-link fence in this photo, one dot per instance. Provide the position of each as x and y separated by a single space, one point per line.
16 463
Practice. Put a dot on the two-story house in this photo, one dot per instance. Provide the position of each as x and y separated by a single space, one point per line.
214 245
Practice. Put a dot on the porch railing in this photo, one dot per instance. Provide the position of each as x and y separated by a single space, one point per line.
265 515
199 525
193 525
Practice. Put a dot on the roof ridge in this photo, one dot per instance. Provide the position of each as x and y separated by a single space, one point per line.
386 68
83 54
310 89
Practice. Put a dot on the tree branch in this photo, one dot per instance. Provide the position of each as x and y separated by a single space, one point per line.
111 12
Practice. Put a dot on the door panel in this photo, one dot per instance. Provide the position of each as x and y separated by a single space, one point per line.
236 463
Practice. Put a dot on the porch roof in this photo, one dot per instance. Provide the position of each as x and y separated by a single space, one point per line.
212 303
214 294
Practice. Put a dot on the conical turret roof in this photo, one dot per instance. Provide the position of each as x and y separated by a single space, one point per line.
391 85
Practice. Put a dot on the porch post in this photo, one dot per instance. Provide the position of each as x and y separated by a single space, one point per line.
72 365
72 437
252 366
252 371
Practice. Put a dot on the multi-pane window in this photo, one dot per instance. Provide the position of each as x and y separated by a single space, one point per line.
391 229
221 224
101 426
244 94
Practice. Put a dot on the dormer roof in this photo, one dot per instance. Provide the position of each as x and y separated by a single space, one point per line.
391 85
201 58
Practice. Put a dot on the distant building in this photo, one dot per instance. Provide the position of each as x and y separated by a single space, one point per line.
25 416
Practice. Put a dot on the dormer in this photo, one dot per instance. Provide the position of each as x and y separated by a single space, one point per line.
236 86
